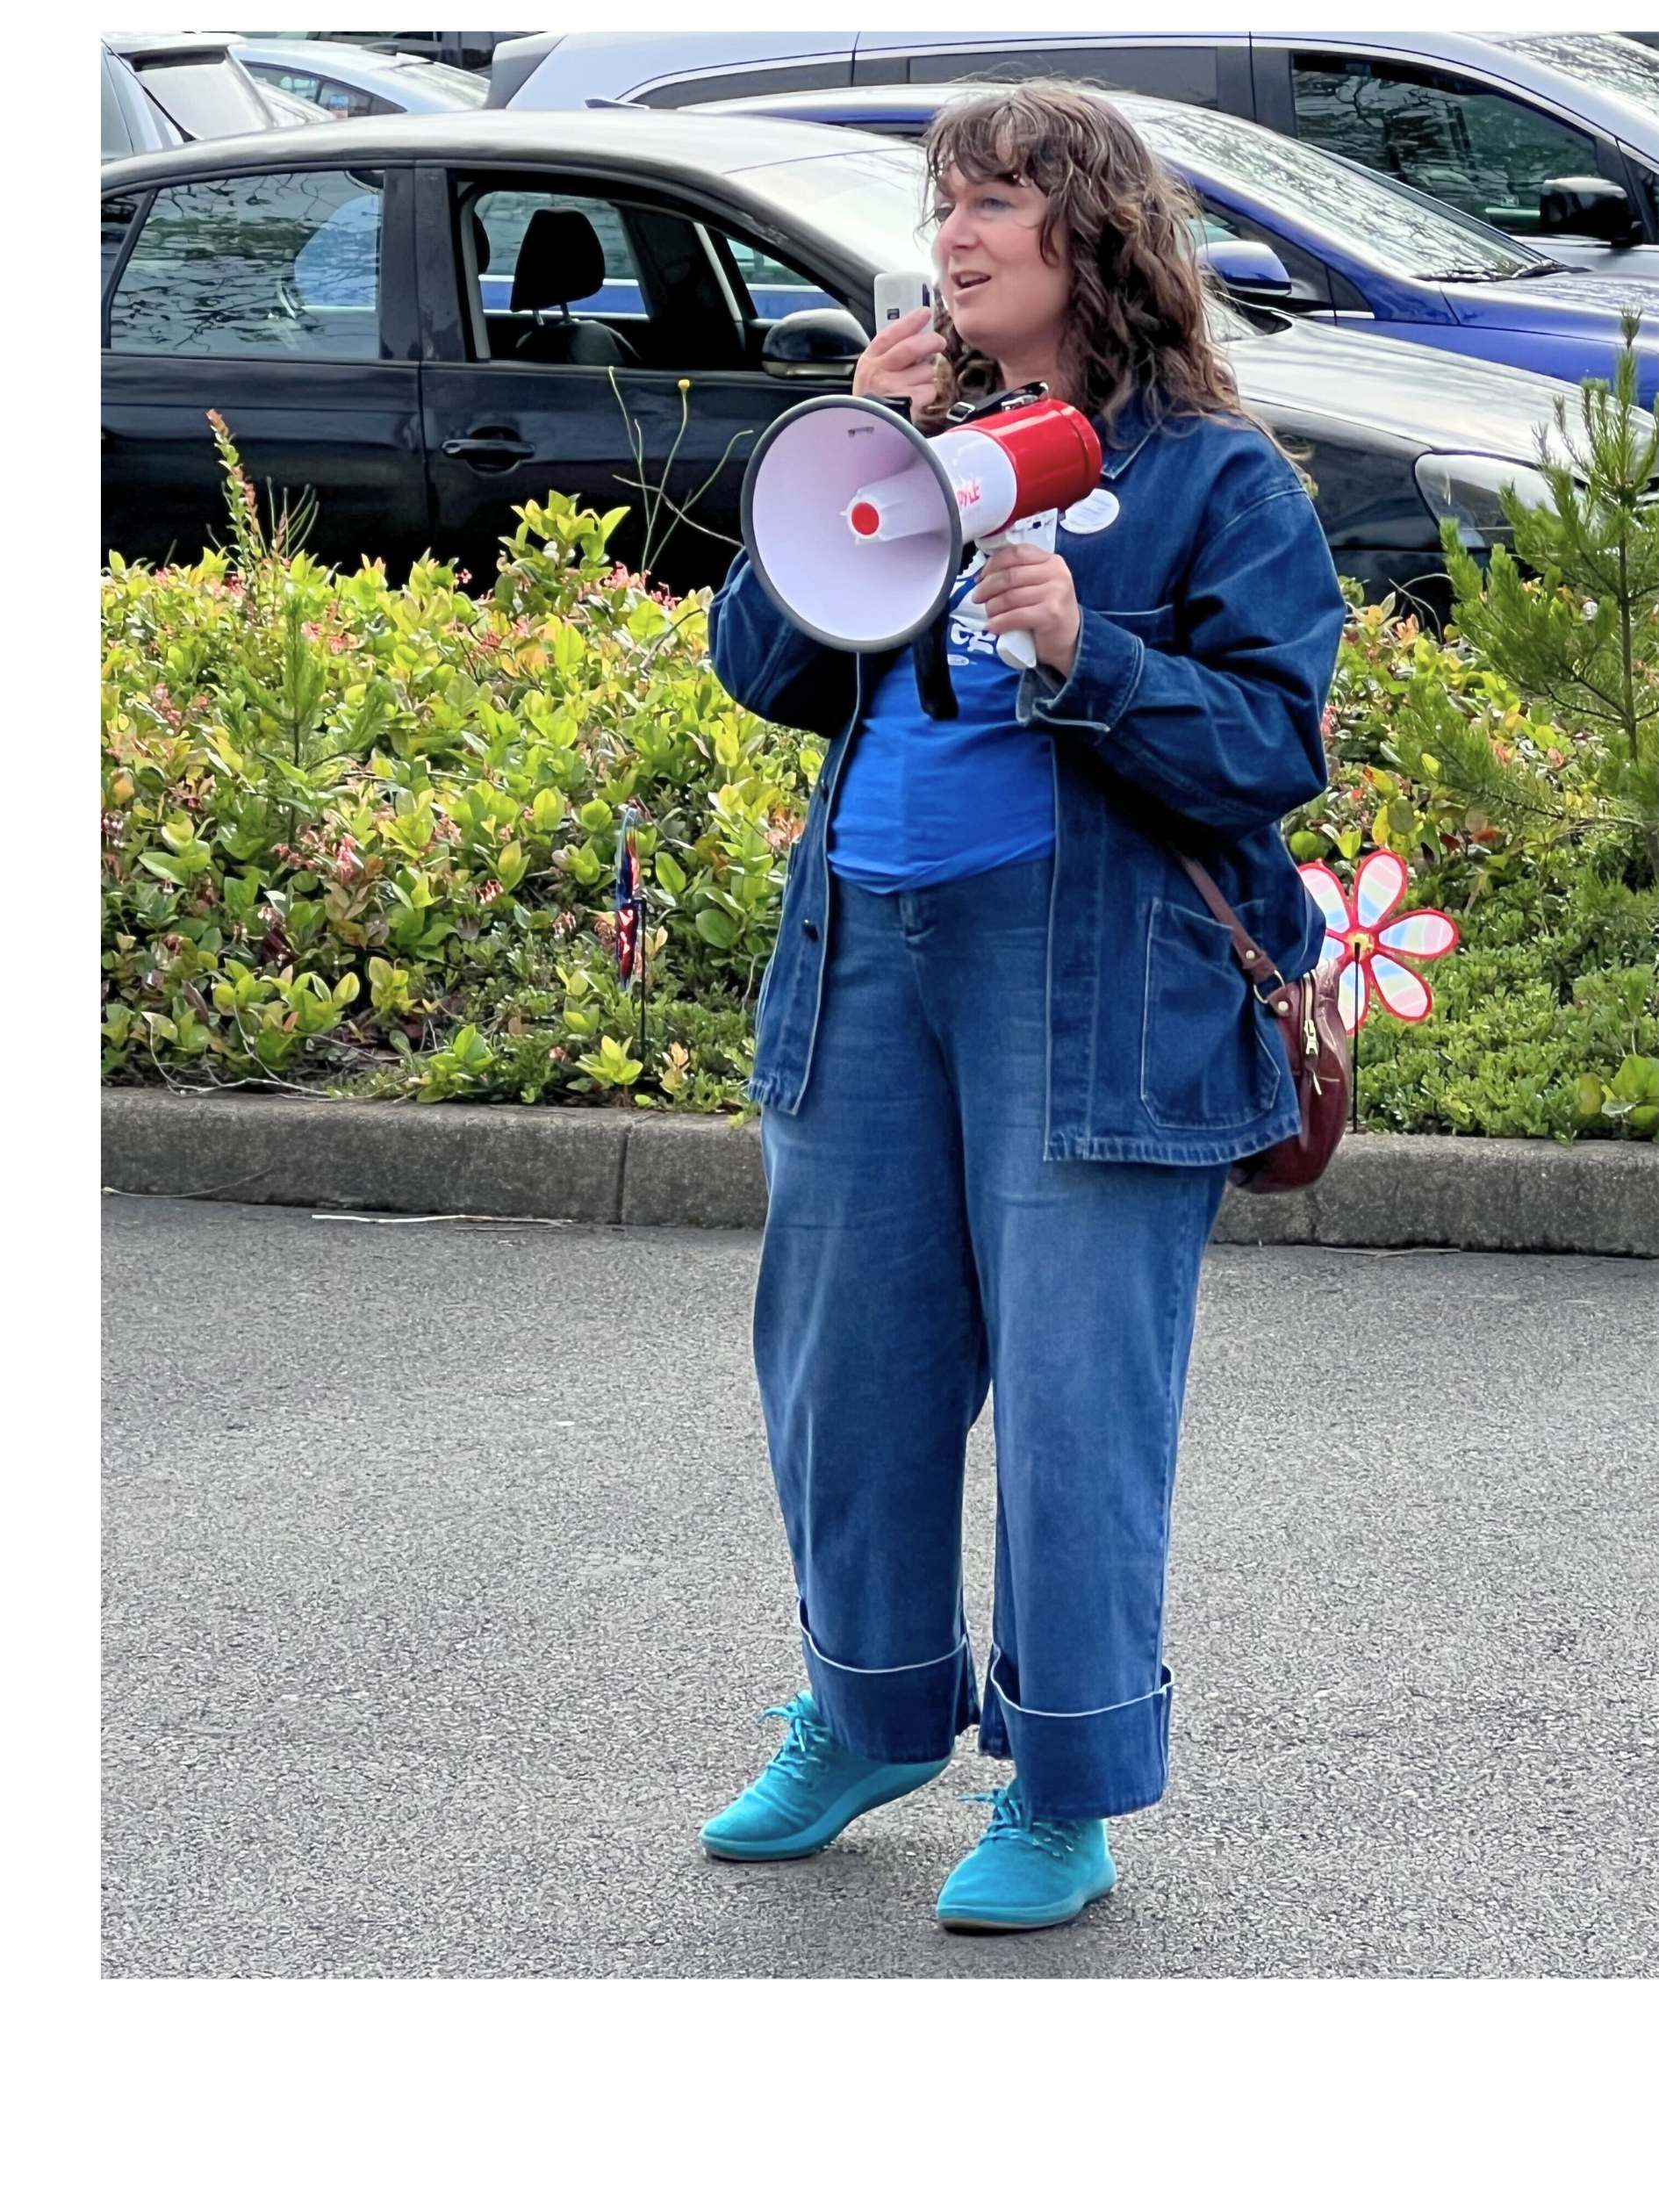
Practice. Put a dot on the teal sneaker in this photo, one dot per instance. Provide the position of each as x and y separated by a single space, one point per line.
1025 1873
813 1788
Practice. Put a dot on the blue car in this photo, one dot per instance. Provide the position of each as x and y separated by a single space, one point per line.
1322 238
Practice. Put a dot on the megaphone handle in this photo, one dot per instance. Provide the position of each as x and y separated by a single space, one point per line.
1017 649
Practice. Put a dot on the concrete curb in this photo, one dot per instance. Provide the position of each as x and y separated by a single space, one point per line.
623 1167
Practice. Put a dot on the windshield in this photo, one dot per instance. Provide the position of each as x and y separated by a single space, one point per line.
1599 58
1407 231
876 202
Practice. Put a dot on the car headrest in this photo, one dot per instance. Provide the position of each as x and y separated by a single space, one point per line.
560 260
480 244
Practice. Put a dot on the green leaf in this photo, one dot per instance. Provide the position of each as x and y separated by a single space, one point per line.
717 929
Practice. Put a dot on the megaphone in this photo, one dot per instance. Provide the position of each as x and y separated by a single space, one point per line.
854 523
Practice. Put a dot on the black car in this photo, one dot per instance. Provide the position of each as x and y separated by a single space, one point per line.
429 318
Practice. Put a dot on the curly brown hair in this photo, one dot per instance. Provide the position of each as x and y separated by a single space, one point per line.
1138 301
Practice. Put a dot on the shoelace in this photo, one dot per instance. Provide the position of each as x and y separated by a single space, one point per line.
798 1750
1011 1822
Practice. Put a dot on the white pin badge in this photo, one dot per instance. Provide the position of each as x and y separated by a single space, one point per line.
1097 511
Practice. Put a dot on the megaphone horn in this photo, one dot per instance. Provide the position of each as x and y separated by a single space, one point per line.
855 522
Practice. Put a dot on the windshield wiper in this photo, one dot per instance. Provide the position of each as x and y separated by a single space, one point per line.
1499 276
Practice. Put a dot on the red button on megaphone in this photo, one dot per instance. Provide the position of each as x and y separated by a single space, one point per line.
854 523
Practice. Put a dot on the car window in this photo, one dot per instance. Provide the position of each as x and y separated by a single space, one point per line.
1647 183
745 84
1377 218
1168 72
505 217
1480 150
328 93
247 265
774 289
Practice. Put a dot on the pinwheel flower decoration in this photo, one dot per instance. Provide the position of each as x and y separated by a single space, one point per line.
1370 949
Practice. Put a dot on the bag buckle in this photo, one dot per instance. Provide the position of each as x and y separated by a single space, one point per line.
1266 997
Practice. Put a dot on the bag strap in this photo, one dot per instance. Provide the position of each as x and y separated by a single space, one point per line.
1250 956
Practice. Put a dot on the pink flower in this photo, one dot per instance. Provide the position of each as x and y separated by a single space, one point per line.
1365 944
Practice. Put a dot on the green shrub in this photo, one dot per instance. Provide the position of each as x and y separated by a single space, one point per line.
364 839
1546 1020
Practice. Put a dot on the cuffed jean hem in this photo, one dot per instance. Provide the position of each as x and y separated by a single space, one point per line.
1081 1766
902 1715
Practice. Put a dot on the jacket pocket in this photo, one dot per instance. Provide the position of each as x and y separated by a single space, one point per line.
1206 1059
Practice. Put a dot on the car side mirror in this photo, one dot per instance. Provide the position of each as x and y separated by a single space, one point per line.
1247 268
824 342
1586 207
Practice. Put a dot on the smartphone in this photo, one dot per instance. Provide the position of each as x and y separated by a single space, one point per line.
899 293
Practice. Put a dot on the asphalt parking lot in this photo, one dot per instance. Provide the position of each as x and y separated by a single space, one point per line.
444 1589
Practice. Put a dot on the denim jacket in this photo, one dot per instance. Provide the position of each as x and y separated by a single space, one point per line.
1211 617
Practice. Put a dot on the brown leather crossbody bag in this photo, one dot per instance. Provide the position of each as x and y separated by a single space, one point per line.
1311 1022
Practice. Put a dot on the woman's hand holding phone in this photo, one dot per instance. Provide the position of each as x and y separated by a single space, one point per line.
899 361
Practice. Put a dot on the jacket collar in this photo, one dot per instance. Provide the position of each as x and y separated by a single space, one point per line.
1135 425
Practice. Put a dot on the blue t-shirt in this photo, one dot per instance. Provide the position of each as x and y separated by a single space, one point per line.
923 801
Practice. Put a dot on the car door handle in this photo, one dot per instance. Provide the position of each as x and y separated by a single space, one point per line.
486 446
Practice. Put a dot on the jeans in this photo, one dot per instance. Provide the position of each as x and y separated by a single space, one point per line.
917 1248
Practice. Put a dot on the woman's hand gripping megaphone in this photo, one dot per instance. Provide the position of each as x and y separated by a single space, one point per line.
1028 600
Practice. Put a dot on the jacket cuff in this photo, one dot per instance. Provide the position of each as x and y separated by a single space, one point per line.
1104 677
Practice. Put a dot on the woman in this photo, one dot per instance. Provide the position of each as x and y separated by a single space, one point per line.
1005 1054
